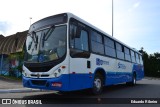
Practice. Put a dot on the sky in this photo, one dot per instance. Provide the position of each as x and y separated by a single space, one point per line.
136 22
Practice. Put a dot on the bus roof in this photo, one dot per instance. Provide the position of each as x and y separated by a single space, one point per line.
70 15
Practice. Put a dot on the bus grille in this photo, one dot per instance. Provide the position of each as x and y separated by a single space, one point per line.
40 69
39 82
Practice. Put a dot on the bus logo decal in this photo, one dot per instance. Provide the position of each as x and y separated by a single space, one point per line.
122 66
38 75
101 62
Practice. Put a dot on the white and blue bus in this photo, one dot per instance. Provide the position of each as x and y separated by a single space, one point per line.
65 53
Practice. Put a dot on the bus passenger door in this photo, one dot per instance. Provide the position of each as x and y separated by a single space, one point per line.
79 54
79 74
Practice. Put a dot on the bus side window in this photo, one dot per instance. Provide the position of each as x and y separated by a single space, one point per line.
141 61
109 47
82 42
127 54
137 58
120 51
133 56
72 33
97 43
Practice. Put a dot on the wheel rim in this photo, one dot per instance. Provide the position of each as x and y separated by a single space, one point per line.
97 84
134 80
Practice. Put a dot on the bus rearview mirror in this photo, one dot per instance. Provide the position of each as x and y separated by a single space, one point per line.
78 32
75 32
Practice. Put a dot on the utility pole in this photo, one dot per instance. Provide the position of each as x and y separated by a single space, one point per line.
30 20
112 18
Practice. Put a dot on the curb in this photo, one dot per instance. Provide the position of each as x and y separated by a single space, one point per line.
20 90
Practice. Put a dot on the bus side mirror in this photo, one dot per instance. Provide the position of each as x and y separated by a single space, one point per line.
78 32
75 32
72 34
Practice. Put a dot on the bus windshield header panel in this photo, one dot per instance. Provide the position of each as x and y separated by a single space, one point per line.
49 21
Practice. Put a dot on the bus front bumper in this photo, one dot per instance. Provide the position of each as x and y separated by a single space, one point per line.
57 84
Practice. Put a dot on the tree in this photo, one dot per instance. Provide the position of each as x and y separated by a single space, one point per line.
151 63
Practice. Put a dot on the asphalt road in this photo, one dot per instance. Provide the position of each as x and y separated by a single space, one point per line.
6 83
146 88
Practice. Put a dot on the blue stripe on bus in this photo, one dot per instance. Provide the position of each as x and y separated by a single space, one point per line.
72 82
118 77
69 82
139 71
64 79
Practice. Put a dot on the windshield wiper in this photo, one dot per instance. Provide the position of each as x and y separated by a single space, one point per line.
34 39
33 36
47 34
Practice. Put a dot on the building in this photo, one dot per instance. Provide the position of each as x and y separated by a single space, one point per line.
11 53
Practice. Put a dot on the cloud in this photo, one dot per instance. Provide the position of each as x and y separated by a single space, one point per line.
4 26
134 6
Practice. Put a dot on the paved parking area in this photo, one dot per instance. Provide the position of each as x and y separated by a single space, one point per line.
9 84
14 86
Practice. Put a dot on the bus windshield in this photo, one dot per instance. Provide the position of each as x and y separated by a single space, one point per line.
46 44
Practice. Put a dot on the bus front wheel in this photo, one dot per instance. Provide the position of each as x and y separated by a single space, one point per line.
97 84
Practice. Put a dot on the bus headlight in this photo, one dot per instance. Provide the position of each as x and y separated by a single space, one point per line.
25 74
59 71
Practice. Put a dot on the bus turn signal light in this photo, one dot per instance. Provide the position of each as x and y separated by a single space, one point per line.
63 67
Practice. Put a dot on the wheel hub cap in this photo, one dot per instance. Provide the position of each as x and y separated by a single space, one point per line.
97 83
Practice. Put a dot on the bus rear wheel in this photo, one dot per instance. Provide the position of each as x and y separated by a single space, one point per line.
133 82
97 84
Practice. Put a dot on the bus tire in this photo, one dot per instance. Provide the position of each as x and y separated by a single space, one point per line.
133 82
97 84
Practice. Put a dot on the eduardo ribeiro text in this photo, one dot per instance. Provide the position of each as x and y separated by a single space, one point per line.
146 101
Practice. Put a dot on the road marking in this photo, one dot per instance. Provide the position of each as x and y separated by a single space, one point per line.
19 90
